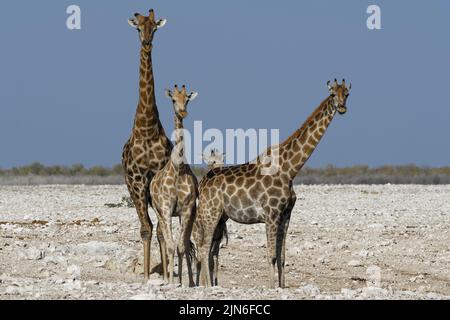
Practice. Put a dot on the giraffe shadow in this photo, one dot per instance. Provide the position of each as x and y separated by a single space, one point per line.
157 269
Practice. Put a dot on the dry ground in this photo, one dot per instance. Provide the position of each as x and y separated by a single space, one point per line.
344 242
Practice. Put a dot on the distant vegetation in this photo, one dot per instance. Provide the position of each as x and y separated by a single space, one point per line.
37 173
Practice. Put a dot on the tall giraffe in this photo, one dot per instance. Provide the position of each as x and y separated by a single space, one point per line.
148 148
174 193
254 193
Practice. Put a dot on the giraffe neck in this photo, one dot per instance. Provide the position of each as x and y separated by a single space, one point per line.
146 123
297 149
179 143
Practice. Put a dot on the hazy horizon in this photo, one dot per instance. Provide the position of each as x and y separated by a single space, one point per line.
70 97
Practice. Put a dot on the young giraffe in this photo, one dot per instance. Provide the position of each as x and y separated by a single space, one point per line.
248 194
214 160
148 149
174 190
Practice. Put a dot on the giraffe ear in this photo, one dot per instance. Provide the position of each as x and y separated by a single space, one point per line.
168 93
133 23
330 87
192 96
161 23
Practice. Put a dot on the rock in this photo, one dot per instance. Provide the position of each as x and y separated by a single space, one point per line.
384 243
355 263
127 262
307 245
74 272
102 262
56 259
418 278
374 293
323 260
112 230
376 226
155 282
363 253
97 248
32 254
348 293
342 245
72 285
309 290
148 296
13 290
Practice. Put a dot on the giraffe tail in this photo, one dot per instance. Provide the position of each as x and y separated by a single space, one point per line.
220 233
192 251
225 232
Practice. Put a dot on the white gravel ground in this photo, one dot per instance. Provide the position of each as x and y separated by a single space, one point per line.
345 242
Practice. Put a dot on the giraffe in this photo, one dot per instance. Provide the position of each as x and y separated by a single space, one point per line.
148 148
174 191
255 193
214 160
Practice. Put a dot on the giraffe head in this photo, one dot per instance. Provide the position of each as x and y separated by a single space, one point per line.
146 26
215 159
180 100
339 93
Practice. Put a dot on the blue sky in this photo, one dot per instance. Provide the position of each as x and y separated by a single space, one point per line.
69 96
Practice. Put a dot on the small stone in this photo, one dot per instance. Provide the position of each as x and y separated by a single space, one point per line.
12 290
355 263
309 290
149 296
74 272
308 245
363 253
342 245
73 285
33 254
155 282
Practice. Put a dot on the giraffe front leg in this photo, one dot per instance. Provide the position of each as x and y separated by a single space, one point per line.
138 192
205 255
183 242
281 247
285 225
271 233
197 238
166 229
215 249
163 251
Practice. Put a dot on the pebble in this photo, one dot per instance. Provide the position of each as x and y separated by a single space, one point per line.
32 254
355 263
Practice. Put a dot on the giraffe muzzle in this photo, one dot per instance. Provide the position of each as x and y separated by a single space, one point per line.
341 109
183 114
